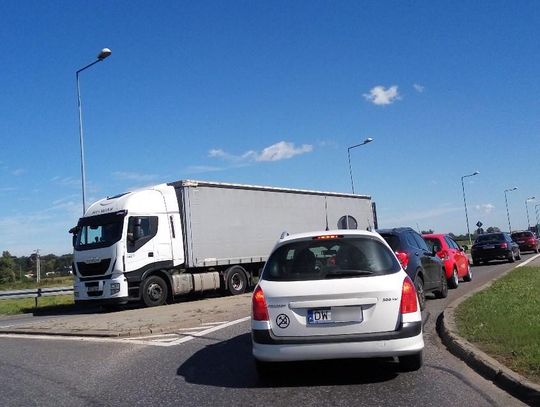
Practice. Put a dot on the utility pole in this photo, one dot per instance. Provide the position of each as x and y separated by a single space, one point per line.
38 267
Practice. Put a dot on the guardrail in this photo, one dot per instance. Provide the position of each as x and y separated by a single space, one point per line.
36 293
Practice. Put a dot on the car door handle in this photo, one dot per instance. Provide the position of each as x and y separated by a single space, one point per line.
150 254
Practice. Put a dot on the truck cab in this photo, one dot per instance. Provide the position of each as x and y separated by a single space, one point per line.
121 240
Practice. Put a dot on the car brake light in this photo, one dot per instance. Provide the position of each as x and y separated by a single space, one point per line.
403 259
409 302
504 245
260 310
443 254
532 240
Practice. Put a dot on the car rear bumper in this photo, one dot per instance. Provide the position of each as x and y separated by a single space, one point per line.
525 247
491 254
404 341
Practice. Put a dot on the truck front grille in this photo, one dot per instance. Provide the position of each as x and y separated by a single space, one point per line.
93 269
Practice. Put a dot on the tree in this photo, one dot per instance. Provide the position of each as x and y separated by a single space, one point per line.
7 268
493 229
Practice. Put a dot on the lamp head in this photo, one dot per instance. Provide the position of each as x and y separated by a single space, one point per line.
105 52
368 140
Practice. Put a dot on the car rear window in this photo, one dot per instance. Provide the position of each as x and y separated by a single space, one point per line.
518 235
345 257
433 242
392 240
498 237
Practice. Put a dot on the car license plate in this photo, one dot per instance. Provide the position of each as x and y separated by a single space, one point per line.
92 289
521 241
319 316
490 246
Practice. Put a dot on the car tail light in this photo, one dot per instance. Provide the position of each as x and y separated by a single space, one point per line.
260 310
443 254
403 259
504 245
532 240
409 303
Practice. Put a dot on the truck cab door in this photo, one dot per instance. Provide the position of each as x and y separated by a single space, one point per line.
140 242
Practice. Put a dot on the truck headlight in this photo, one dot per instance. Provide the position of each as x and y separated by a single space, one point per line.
115 288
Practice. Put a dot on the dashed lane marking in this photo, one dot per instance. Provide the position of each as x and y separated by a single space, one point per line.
161 340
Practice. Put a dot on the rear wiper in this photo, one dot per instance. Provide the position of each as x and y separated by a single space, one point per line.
347 273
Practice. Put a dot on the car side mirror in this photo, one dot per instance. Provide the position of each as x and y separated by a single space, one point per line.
464 248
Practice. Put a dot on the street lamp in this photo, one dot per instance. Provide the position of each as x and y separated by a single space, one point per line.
465 203
105 52
537 220
532 198
506 201
368 140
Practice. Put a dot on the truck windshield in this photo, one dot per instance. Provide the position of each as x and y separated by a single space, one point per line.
98 231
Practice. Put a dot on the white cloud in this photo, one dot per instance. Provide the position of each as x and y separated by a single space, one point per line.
381 96
485 208
66 181
282 151
18 172
276 152
419 88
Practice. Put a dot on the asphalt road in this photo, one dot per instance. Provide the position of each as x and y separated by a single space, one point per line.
217 369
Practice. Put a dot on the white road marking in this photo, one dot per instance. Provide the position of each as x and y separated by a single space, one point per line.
163 340
528 261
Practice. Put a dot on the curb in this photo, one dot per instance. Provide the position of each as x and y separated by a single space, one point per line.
508 380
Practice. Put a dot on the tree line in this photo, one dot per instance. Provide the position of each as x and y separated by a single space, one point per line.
13 268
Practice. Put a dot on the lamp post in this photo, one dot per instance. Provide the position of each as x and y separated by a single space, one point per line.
506 201
537 220
368 140
532 198
105 52
465 203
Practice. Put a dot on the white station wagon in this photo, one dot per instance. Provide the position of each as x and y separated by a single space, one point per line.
334 295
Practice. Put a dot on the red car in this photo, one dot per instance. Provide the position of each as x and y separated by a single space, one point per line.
526 241
456 262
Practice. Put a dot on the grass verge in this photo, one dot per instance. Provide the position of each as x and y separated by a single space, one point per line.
504 321
45 282
27 305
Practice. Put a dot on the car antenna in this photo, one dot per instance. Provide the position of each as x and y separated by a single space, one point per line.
326 212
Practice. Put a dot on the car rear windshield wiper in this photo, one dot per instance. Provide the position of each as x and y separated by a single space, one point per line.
348 273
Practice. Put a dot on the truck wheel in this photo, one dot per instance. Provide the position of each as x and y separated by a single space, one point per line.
236 280
154 291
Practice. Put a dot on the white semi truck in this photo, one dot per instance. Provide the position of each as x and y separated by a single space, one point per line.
159 242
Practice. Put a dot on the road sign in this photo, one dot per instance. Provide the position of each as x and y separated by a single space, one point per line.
479 224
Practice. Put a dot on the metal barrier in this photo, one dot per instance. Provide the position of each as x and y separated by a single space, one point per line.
36 293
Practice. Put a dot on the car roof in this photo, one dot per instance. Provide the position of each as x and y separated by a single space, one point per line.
435 235
344 232
394 230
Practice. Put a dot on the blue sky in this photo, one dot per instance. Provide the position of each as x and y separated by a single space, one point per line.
270 93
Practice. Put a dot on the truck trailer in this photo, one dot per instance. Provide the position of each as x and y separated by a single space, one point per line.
159 242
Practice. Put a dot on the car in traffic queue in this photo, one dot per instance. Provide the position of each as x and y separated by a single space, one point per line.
494 246
456 262
335 295
526 240
422 265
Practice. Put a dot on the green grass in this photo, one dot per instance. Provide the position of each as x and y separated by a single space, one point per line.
27 305
504 321
45 282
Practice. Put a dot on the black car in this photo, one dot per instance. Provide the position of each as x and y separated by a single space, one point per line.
422 265
494 246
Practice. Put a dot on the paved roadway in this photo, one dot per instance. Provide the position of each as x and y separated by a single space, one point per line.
217 369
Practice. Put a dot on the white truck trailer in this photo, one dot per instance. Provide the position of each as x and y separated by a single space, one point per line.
159 242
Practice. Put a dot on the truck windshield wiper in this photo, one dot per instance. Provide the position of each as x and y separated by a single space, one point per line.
348 273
